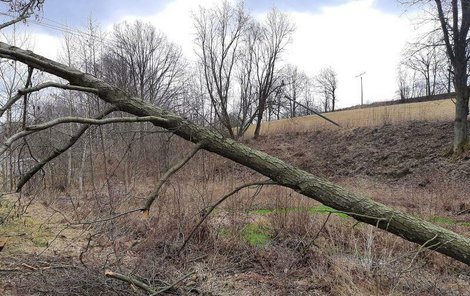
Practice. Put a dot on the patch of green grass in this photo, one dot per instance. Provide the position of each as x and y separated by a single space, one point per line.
223 232
261 211
466 224
315 210
22 232
442 220
326 209
40 242
256 235
448 221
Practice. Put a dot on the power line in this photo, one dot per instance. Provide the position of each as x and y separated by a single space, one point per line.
68 30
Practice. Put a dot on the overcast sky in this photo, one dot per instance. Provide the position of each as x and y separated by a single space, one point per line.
351 36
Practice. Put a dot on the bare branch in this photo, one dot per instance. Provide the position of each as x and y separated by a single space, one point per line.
151 198
130 280
162 290
58 85
13 21
84 120
106 219
24 91
312 242
24 9
311 110
75 137
143 286
221 200
39 127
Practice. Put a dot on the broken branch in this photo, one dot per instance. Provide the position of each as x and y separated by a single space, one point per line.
130 280
151 198
221 200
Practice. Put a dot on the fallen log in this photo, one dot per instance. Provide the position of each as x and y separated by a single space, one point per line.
361 208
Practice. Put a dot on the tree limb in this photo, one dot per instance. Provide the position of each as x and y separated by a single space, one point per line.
43 126
57 85
151 198
13 21
75 137
92 121
24 91
311 110
130 280
221 200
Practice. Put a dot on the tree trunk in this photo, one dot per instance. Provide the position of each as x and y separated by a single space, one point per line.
358 207
460 143
461 124
259 118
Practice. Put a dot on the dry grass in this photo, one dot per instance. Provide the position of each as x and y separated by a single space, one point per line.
442 110
271 243
253 244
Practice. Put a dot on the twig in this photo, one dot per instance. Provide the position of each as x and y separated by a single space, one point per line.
106 219
151 198
466 211
221 200
312 242
29 266
421 247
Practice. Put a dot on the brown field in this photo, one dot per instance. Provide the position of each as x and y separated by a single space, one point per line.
441 110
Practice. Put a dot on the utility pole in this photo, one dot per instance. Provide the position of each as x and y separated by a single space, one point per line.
362 88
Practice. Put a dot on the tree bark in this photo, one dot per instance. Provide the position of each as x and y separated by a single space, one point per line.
358 207
259 118
461 124
456 43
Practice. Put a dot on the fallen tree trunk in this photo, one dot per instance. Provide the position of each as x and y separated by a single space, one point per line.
360 208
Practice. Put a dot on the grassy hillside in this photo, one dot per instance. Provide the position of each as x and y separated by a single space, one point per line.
441 110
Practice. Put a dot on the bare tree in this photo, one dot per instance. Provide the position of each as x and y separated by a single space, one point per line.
408 86
452 17
240 59
455 24
13 75
144 62
430 63
298 87
327 83
275 35
219 32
